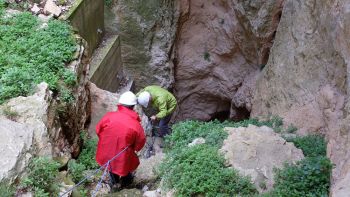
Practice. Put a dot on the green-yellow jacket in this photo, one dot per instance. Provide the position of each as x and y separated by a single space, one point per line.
162 100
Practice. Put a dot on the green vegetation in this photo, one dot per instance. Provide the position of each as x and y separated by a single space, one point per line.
42 175
184 133
206 56
6 190
311 145
10 114
86 159
291 129
76 170
109 3
308 177
200 169
87 155
31 54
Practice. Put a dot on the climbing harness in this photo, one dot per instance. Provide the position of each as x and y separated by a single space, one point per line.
98 186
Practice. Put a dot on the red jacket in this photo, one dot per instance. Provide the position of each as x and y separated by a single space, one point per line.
117 130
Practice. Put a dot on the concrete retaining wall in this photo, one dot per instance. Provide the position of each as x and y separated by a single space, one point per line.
87 17
106 65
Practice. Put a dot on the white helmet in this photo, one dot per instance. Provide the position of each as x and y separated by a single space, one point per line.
144 98
128 98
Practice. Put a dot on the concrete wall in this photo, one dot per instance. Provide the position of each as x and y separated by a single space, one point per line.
87 17
106 65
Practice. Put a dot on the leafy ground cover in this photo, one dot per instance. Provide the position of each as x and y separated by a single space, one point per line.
200 170
309 177
32 53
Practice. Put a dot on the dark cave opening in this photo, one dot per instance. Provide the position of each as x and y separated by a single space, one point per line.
221 116
239 113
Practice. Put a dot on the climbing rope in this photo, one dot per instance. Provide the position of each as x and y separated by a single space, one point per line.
105 166
100 182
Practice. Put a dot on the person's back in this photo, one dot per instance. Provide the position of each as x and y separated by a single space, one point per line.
163 101
161 96
118 131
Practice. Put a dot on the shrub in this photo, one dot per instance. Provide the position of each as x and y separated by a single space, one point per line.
87 155
201 170
109 3
66 95
206 56
311 145
43 173
70 79
309 177
185 132
274 122
31 54
76 170
291 129
6 190
10 114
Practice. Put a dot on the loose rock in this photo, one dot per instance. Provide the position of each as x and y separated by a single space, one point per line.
256 151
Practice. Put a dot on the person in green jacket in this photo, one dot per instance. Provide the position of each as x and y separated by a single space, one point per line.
162 100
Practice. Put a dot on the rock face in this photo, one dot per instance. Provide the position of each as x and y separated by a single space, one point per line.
306 78
101 102
51 126
219 49
147 30
15 148
255 151
145 173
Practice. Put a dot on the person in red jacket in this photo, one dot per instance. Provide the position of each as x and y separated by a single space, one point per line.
116 131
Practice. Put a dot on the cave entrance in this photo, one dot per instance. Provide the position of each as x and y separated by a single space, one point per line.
239 113
221 116
228 111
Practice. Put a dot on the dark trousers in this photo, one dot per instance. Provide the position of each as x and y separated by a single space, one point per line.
164 125
122 180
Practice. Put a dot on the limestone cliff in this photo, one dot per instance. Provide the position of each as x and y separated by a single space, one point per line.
305 79
147 30
219 49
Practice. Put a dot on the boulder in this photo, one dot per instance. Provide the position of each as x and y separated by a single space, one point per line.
15 148
256 151
145 173
33 111
52 8
102 101
306 78
35 9
196 142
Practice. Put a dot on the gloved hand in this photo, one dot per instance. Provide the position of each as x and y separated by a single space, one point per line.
153 118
